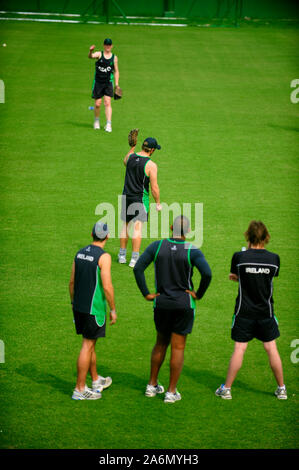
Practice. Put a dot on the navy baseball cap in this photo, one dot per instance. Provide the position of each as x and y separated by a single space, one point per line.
108 42
151 143
100 230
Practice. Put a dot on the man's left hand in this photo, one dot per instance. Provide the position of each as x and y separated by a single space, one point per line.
192 293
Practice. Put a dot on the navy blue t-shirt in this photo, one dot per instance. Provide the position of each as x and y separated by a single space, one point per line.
174 260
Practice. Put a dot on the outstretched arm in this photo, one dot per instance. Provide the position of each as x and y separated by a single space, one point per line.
132 150
132 139
93 55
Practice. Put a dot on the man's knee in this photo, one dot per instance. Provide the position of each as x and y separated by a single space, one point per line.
241 347
270 346
178 341
89 344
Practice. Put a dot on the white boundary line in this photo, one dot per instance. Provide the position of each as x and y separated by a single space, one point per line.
43 20
39 14
47 20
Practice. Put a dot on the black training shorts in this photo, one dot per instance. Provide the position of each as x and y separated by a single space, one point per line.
86 325
101 89
179 321
245 329
133 209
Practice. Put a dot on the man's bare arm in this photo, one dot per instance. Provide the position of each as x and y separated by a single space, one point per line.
94 55
152 170
132 150
116 71
105 267
72 283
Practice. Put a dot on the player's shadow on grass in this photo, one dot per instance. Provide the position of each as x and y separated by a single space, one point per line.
212 381
126 379
285 128
44 378
86 125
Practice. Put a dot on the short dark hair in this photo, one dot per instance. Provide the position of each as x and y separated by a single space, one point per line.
180 226
257 233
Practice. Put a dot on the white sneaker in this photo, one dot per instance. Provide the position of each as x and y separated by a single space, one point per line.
133 262
172 397
87 394
152 390
223 392
122 259
102 383
96 124
281 393
108 128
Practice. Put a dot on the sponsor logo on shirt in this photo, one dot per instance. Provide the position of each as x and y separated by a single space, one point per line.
104 69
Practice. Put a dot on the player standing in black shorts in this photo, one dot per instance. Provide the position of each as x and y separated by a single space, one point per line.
174 300
90 287
254 317
106 72
141 173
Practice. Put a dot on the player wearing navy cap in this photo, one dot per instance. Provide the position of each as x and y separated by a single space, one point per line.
254 270
141 173
90 287
106 72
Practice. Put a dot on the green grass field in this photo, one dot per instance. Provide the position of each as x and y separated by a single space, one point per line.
218 102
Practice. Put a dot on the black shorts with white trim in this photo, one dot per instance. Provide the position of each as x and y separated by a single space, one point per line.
245 329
